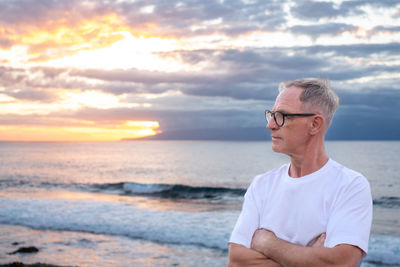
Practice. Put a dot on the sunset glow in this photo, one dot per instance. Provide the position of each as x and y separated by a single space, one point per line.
63 38
101 42
129 52
128 130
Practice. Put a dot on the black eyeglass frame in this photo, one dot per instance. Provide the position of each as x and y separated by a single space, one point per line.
267 112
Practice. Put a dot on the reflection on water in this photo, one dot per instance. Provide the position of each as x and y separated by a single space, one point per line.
70 248
141 202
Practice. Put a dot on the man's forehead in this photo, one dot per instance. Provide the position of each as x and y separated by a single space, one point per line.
289 97
292 90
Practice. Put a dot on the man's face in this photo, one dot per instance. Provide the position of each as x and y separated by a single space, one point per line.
293 135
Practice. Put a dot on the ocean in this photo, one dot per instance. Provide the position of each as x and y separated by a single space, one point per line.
159 203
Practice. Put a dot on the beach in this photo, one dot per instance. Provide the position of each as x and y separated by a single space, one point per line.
158 203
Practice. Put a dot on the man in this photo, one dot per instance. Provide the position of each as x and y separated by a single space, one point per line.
313 211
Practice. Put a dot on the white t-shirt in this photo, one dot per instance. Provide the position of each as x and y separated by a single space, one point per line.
334 200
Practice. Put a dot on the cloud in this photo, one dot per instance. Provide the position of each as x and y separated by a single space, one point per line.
199 17
33 95
317 9
323 29
40 120
384 30
53 29
29 12
142 76
58 28
364 51
380 101
174 119
235 91
36 84
372 3
65 27
236 73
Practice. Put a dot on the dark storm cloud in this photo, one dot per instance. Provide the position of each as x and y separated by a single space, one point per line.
19 85
239 74
244 74
355 50
178 17
236 91
249 65
323 29
44 96
373 3
169 119
338 28
32 12
315 10
33 84
381 98
264 61
146 77
384 29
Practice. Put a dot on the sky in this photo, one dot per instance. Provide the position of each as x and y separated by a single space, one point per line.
198 69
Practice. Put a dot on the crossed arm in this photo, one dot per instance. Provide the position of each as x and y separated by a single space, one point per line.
241 256
268 250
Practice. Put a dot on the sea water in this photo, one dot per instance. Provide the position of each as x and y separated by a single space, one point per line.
159 203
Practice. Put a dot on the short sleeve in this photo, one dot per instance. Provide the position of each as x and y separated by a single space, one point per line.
249 219
351 216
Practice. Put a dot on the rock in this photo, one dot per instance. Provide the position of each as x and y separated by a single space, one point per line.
25 250
20 264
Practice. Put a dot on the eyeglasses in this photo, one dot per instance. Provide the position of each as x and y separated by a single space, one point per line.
279 117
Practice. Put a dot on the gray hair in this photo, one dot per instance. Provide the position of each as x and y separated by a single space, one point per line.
317 93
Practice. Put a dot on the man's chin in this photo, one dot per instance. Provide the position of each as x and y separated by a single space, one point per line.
275 148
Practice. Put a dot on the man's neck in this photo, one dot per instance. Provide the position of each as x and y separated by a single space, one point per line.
307 162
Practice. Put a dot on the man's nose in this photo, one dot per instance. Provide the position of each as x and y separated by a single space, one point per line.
271 125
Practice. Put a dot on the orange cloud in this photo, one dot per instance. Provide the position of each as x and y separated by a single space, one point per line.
64 37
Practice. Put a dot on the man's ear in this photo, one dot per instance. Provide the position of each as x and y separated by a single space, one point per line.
317 124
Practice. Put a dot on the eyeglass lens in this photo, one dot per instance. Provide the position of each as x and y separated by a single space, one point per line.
278 117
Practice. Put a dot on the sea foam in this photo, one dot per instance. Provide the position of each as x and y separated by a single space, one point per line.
210 229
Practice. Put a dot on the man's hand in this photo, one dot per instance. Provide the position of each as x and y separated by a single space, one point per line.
241 256
262 240
314 254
